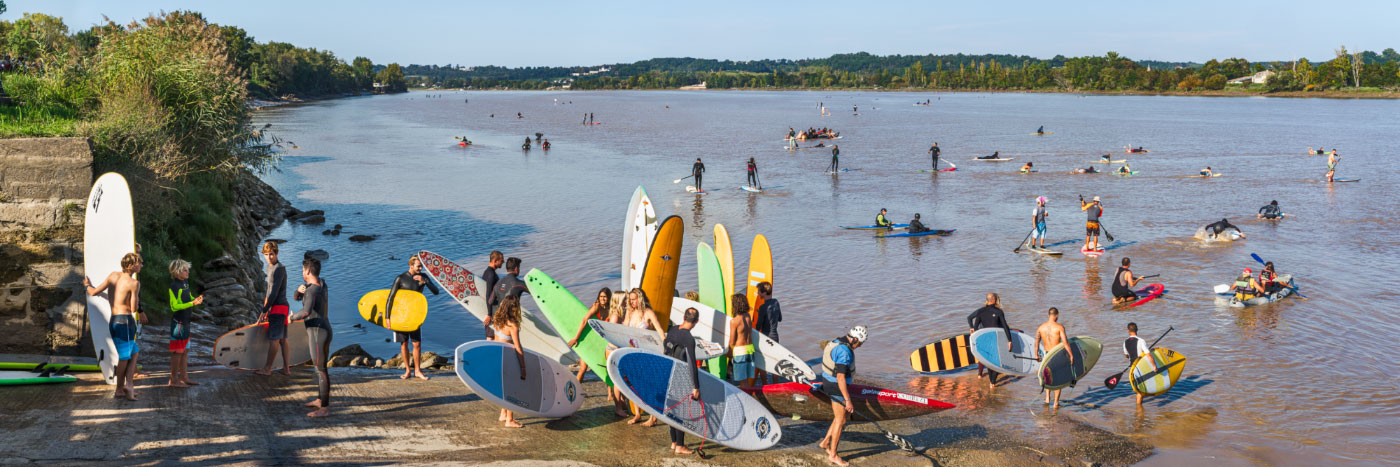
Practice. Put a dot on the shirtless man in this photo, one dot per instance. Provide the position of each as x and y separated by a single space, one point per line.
125 294
741 340
1047 336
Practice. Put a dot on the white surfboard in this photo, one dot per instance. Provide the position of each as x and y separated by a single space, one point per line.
989 349
469 290
492 371
622 337
637 236
768 355
661 386
109 232
246 347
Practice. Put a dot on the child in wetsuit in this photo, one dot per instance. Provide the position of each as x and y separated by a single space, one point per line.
181 304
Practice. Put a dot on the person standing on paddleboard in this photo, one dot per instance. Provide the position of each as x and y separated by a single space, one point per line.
1332 160
753 173
740 343
835 158
990 316
1123 283
697 170
1047 336
933 153
1091 223
415 281
508 286
125 297
1134 347
1038 217
274 311
680 345
766 319
312 294
838 368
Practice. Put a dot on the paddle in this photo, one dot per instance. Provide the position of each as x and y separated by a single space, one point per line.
955 166
1023 242
678 180
1261 261
1112 381
898 441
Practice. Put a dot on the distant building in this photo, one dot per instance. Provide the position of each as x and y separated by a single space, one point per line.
1257 78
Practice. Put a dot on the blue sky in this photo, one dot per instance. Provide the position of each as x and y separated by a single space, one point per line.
550 33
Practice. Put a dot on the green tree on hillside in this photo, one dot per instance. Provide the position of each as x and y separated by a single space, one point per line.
391 77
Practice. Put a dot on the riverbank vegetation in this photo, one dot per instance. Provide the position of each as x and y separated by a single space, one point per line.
1357 72
164 101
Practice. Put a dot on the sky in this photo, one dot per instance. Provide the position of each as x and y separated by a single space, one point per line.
570 33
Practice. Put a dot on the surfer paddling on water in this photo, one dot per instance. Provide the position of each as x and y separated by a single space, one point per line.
1047 336
838 367
507 325
274 311
1134 347
1123 283
411 280
680 345
125 295
312 294
990 316
1091 224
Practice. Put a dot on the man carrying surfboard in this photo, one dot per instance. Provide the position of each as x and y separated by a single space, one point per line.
680 345
124 295
1134 347
411 280
1123 283
990 316
838 367
274 311
1047 336
697 170
312 294
1091 224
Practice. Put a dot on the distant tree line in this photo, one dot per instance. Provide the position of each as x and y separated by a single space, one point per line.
1110 72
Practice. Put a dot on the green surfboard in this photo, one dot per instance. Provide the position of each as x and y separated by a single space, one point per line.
565 312
712 292
28 377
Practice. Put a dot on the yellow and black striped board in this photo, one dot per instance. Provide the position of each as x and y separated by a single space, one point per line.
948 354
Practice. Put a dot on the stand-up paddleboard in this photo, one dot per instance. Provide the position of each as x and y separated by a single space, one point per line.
1043 134
769 356
939 170
692 189
663 265
1042 251
566 313
989 348
1055 370
1340 180
947 354
410 309
875 227
751 189
724 252
1273 297
621 336
760 270
920 234
1147 294
1156 372
712 294
246 348
999 159
804 402
492 371
469 291
1091 253
109 232
662 387
1101 161
37 374
1126 174
637 235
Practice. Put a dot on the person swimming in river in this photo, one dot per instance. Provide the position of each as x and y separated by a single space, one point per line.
995 155
1106 157
526 146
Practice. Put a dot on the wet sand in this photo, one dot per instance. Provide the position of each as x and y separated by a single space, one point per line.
237 417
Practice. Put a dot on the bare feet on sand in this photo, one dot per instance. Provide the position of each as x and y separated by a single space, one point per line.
191 382
313 403
834 460
287 371
681 450
322 412
405 375
264 372
420 376
651 421
513 424
178 384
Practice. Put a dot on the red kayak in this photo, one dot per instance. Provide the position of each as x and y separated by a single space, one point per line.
805 402
1147 294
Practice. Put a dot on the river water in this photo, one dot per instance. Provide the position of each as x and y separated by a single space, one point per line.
1295 382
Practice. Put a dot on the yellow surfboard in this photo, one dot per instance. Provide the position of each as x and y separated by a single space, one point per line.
410 309
725 253
663 264
1155 373
760 269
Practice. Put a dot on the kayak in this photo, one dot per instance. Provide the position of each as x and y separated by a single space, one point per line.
1274 297
873 227
1147 294
920 234
804 402
1001 159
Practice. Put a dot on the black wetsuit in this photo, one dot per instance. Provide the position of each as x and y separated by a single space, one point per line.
916 227
680 345
933 153
318 335
405 282
698 171
1219 227
835 160
989 316
1270 211
508 286
1121 287
753 174
769 315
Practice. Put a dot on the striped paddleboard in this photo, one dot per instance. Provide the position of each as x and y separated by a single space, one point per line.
948 354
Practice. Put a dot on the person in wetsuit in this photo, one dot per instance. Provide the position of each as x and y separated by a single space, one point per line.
753 172
1123 283
181 304
1270 211
835 158
933 153
680 345
995 155
881 221
915 226
990 316
489 276
508 286
526 146
1041 130
1215 229
697 170
412 280
318 331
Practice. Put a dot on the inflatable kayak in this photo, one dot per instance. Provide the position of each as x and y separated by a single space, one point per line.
802 401
920 234
1147 294
1274 297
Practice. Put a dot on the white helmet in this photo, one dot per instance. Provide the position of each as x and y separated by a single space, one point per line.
857 334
